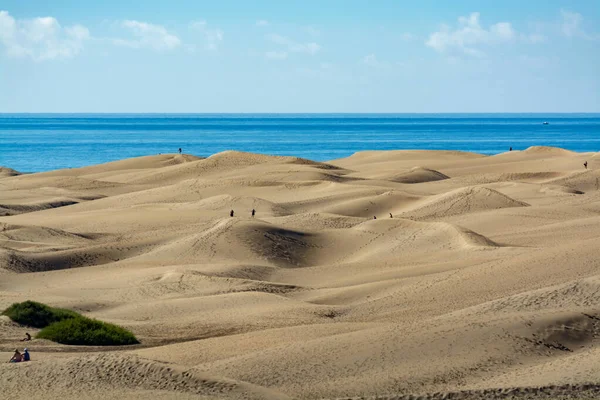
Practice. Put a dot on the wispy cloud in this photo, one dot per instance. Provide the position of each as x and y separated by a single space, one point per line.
571 23
40 38
276 55
295 47
407 37
533 38
312 31
572 26
324 70
469 35
262 22
212 36
147 35
371 60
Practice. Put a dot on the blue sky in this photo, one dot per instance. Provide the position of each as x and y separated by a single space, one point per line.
300 56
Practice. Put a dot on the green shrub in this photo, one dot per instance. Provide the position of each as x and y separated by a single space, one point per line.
88 332
37 315
68 327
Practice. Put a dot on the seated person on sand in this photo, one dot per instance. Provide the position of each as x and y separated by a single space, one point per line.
26 356
27 337
17 357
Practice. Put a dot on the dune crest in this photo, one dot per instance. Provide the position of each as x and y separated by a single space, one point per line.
461 201
418 175
556 151
4 172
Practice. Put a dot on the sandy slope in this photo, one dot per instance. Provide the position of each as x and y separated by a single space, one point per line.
483 284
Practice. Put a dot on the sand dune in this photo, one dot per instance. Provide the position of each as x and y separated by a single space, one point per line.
123 166
583 181
546 150
482 284
370 206
4 172
418 175
460 201
224 203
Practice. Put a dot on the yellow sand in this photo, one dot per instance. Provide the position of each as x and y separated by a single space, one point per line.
485 282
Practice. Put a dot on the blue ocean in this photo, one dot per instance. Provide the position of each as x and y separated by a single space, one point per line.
42 142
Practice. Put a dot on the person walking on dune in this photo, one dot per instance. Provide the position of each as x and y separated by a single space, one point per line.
180 150
253 212
231 213
391 216
585 164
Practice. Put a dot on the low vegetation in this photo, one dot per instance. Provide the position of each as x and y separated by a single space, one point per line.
37 315
68 327
86 331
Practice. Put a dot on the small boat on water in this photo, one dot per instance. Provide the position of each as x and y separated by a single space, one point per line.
544 123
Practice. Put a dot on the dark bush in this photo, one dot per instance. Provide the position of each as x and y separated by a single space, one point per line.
37 315
68 327
87 332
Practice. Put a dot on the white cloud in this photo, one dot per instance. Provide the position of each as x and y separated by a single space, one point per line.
469 35
572 26
262 22
503 31
148 35
294 47
212 36
571 23
276 55
40 38
372 61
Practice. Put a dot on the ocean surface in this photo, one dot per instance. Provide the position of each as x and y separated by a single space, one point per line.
42 142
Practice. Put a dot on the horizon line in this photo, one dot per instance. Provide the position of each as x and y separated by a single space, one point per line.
298 113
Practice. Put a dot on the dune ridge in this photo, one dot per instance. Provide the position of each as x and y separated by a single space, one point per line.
5 172
384 275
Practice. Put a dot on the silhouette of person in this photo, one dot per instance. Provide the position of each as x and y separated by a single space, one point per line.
374 217
253 212
585 164
391 216
27 337
231 213
510 149
180 150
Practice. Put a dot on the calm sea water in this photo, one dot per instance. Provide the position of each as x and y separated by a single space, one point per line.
41 142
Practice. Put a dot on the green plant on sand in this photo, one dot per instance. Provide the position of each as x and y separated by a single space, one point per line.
86 331
68 327
37 315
